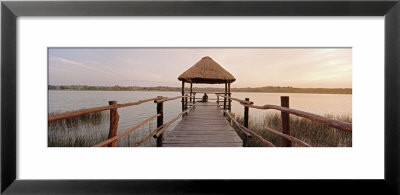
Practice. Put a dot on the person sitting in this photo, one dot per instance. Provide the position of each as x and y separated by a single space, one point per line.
205 97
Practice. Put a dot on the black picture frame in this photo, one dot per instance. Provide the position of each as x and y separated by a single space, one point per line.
11 10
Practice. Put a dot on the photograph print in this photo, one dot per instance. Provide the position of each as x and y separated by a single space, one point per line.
199 97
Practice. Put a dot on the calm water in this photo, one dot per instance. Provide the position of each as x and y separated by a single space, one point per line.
321 104
61 101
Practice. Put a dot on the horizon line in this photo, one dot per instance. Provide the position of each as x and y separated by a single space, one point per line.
203 87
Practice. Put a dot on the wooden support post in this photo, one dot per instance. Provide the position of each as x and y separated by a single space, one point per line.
114 118
160 121
186 104
183 94
217 100
191 91
225 97
285 121
246 121
246 115
229 94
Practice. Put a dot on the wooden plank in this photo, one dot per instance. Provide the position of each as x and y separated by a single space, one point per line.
208 128
201 141
200 136
180 131
200 130
203 145
217 130
200 133
207 137
205 126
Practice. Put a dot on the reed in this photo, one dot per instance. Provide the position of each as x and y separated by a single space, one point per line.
91 129
314 133
91 118
75 132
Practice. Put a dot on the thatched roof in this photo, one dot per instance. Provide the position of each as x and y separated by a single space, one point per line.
206 71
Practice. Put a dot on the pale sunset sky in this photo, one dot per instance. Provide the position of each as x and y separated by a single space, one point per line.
252 67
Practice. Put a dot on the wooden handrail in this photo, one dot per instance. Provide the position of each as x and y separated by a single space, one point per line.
137 103
346 126
147 137
80 112
236 99
241 127
288 137
263 141
96 109
103 108
210 92
172 98
247 131
104 143
208 98
165 126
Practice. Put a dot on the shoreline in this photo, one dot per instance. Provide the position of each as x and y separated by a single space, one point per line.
297 92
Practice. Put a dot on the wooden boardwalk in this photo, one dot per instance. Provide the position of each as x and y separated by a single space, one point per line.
204 126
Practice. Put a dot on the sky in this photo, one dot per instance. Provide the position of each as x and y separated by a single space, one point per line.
252 67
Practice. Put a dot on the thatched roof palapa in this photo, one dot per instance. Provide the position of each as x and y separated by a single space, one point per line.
206 71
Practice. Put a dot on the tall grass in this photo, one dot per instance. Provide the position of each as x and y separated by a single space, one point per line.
313 133
90 129
73 132
91 118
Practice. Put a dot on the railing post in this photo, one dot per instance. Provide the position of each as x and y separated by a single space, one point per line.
246 115
246 121
229 95
224 104
217 100
114 118
225 94
160 121
285 121
186 104
191 91
183 94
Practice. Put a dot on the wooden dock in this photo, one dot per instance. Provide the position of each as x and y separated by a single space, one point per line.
204 126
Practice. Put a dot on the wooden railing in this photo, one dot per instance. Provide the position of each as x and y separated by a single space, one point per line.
162 127
114 118
112 105
285 111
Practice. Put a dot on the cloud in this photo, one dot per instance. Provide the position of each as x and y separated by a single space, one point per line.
252 67
80 64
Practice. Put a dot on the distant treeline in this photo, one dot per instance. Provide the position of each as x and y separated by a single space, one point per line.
267 89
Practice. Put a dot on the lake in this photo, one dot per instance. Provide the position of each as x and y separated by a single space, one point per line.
62 101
